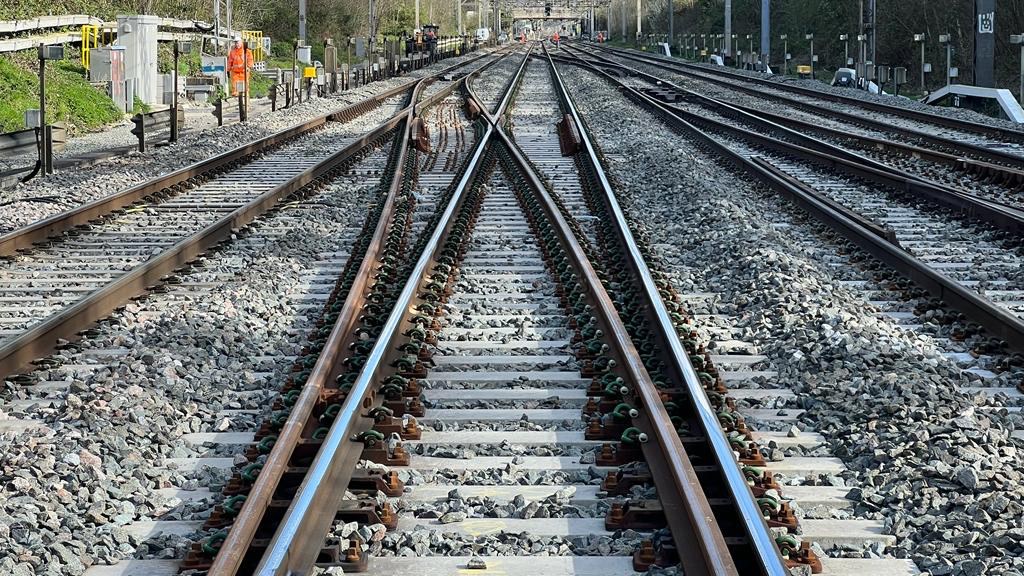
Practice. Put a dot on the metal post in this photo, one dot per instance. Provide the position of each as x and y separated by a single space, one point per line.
302 22
639 23
174 97
872 34
671 23
243 109
623 20
766 33
230 34
920 38
811 38
44 148
216 26
295 72
728 26
417 27
785 54
947 40
608 20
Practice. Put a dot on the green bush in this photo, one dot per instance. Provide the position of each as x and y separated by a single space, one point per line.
259 85
69 97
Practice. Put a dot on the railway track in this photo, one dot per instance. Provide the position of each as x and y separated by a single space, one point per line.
66 272
986 142
493 311
822 196
502 377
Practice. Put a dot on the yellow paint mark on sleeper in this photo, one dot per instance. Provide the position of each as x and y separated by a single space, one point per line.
479 527
493 568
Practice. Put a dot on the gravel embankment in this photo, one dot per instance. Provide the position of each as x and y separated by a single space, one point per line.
940 469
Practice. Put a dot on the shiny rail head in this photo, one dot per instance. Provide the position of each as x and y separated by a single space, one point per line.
756 528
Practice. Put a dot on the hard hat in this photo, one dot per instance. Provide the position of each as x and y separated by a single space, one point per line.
238 38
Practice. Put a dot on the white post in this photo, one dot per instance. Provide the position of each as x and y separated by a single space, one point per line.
639 24
728 28
417 13
216 26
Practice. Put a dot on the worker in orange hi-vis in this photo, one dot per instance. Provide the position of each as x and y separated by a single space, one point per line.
237 65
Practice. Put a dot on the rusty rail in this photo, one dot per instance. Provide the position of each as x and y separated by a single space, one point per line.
41 338
997 320
760 542
335 461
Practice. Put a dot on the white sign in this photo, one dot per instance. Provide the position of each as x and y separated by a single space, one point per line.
987 23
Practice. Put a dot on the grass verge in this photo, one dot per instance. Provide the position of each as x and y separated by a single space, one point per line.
69 97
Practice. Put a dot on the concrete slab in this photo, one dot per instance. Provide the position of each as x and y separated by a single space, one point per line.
805 439
193 464
1009 391
187 495
136 568
856 533
548 463
803 466
535 526
486 414
15 425
501 359
149 528
507 394
510 345
505 565
772 414
501 494
816 496
200 438
519 438
760 393
725 360
740 375
872 566
525 376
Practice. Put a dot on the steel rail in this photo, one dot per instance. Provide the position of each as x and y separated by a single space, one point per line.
295 546
1002 216
41 338
702 548
760 538
24 237
997 156
945 121
998 321
243 531
493 116
892 146
234 551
